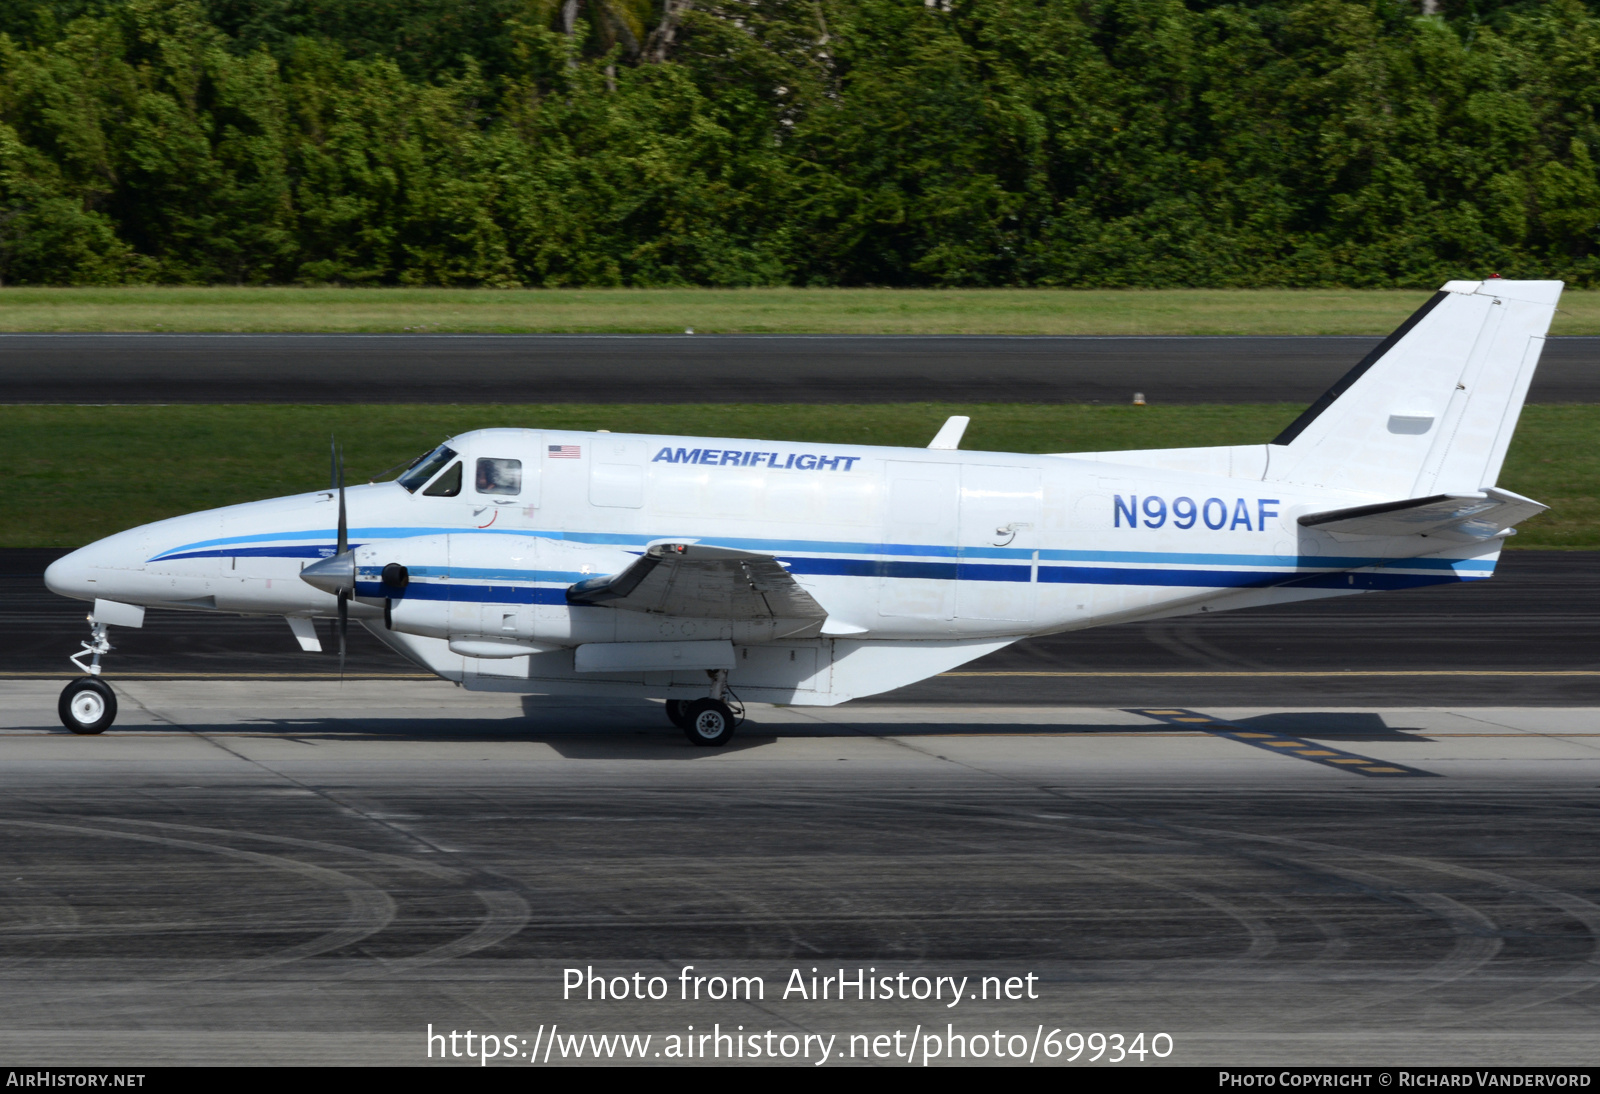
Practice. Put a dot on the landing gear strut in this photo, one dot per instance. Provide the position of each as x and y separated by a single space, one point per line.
97 645
710 721
88 705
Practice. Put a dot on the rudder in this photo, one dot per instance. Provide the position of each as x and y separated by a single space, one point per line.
1431 410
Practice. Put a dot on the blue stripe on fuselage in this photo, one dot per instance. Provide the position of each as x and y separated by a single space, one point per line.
773 546
1129 568
310 551
463 592
459 593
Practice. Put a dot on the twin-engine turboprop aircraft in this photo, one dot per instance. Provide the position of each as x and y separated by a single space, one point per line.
696 570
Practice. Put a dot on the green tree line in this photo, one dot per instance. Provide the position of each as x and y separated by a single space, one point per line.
810 142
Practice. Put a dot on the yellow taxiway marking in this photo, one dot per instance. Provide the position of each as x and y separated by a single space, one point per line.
1295 746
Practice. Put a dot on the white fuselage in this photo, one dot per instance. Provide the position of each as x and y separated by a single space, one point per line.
923 559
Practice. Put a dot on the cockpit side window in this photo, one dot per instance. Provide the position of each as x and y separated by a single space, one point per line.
447 485
428 466
499 476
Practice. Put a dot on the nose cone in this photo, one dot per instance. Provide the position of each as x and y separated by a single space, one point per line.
69 575
110 568
332 575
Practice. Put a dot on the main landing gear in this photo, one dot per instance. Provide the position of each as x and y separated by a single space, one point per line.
710 721
88 705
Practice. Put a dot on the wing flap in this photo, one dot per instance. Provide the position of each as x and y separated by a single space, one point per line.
701 582
1480 515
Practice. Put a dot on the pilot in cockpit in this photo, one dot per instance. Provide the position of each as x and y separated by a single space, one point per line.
499 476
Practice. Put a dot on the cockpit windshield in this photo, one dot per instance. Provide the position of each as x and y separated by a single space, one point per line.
425 468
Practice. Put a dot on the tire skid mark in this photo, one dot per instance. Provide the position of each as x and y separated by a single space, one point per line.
370 908
1263 939
1477 937
382 858
1336 944
506 913
1582 976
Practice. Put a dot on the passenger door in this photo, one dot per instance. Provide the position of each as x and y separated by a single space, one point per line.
917 575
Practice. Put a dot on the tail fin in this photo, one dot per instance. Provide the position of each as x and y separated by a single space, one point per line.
1432 409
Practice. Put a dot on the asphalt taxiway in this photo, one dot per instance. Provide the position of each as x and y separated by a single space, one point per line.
471 368
299 871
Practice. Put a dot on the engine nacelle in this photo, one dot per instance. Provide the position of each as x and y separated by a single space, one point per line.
497 595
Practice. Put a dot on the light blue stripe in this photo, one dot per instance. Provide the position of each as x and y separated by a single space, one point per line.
328 533
470 573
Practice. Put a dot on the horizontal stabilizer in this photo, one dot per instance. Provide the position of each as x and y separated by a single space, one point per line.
1478 515
700 582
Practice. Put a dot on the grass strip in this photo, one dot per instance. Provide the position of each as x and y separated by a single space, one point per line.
81 472
750 311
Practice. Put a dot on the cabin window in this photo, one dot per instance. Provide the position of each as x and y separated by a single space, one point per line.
499 476
447 485
426 467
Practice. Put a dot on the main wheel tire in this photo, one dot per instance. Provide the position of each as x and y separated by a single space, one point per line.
678 713
710 723
87 706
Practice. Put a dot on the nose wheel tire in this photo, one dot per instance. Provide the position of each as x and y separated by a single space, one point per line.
677 713
710 722
87 706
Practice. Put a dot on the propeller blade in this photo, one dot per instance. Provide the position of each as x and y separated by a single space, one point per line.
344 538
344 629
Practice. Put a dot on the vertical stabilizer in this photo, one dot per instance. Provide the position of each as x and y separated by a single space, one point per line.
1432 409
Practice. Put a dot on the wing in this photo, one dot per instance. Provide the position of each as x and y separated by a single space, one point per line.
687 579
1475 516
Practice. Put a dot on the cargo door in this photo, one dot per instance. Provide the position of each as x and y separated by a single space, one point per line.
1000 513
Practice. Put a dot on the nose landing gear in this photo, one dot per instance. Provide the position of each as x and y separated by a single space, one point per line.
97 645
89 706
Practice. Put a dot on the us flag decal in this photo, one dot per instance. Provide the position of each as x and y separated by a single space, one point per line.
566 451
